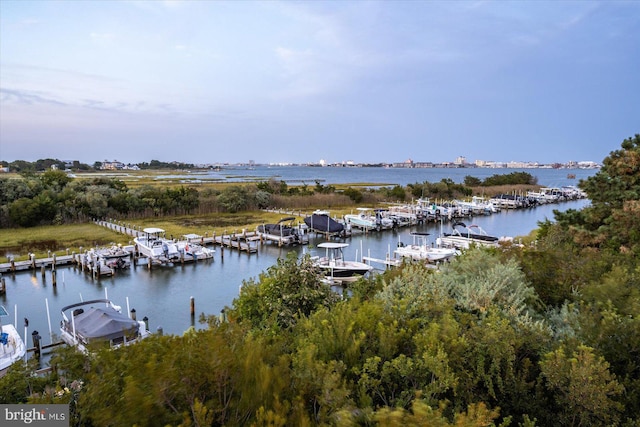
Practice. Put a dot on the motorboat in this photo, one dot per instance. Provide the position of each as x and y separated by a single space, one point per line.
333 264
321 222
420 250
99 321
192 245
462 237
283 231
154 246
368 219
12 347
115 258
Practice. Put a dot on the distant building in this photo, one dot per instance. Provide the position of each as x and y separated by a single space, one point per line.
115 165
460 160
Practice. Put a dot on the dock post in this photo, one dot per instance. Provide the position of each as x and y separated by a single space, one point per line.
42 269
193 306
33 260
133 314
3 286
53 277
13 265
222 252
159 330
145 319
53 263
35 336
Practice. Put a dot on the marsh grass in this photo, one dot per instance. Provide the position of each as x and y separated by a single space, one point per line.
55 238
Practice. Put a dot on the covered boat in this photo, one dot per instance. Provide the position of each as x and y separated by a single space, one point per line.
321 222
99 321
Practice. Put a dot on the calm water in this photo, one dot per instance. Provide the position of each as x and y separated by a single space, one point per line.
163 294
297 175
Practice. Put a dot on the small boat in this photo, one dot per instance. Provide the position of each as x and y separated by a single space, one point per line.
12 347
368 219
190 246
420 250
320 222
115 257
333 264
97 322
283 231
153 245
472 234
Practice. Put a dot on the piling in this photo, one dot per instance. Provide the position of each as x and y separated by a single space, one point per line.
193 306
3 286
53 277
145 319
133 314
35 336
13 265
159 330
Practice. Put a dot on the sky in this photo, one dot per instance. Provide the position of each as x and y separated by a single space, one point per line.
303 81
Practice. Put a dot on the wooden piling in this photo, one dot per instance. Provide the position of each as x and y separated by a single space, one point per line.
193 306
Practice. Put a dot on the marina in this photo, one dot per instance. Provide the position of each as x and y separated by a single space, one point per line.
173 296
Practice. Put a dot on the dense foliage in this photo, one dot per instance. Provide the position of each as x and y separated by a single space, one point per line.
546 335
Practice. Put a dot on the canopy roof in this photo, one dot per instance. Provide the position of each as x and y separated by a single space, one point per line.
104 323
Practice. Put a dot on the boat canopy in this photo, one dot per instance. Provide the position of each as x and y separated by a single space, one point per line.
287 219
153 230
333 245
104 324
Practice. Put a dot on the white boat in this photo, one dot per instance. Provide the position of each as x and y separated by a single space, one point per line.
12 347
478 205
190 246
333 264
113 258
98 322
473 234
153 245
368 219
420 250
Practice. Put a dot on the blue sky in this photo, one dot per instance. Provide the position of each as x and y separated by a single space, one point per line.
382 81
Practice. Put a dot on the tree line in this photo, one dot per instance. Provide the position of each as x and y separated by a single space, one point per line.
54 197
547 335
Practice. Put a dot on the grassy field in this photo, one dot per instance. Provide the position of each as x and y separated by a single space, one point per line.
58 239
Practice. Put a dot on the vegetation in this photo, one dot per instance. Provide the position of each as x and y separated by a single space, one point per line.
53 197
522 336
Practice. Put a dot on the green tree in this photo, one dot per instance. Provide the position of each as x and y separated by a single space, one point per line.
234 199
583 389
611 221
287 291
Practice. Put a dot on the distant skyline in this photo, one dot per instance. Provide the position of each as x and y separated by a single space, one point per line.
296 82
